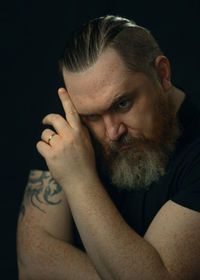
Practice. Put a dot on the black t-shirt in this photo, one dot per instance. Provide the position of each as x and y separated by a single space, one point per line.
181 183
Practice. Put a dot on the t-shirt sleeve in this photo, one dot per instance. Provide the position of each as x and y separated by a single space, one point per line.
189 186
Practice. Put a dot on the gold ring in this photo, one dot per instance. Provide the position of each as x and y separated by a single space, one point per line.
51 136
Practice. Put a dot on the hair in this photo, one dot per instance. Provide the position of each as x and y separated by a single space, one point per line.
135 45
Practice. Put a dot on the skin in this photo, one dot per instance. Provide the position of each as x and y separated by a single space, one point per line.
95 97
115 249
97 92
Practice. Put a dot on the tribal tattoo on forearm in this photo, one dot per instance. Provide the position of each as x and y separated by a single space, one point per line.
41 189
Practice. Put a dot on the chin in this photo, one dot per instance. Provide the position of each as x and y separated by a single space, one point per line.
136 171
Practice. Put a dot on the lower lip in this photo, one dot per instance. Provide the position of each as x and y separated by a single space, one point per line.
126 147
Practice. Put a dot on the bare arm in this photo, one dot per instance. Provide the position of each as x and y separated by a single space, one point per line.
169 250
44 237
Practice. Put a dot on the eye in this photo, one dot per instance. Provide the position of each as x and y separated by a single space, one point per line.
124 104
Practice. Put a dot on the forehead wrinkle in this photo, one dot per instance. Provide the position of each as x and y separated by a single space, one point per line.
116 98
100 90
105 96
101 84
96 100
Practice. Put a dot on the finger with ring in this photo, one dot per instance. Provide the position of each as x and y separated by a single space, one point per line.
57 122
47 135
50 137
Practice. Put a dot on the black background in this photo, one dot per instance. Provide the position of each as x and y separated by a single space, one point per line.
32 35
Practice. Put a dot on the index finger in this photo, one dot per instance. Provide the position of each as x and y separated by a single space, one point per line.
71 113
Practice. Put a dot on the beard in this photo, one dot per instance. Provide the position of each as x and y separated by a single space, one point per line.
146 159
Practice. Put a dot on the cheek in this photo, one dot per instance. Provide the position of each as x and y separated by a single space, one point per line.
139 121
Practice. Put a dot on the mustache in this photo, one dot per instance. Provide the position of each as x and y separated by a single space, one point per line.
125 139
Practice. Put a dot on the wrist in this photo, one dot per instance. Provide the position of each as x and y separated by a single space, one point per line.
80 183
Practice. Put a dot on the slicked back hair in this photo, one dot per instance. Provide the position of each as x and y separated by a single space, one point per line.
135 45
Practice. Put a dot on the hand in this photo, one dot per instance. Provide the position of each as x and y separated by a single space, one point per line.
69 154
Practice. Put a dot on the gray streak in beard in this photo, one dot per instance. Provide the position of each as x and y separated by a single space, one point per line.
133 170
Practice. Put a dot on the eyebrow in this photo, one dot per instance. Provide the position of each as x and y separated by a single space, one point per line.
117 99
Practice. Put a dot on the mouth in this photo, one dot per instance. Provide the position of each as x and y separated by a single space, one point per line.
126 147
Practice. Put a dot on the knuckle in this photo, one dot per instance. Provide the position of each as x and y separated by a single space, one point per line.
56 117
43 134
38 145
53 156
72 112
78 133
73 141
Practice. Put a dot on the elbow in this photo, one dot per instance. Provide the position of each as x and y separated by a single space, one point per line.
27 272
27 265
28 255
23 273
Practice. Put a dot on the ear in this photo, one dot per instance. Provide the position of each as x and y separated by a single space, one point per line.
162 67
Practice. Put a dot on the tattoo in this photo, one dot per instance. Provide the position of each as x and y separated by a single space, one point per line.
37 194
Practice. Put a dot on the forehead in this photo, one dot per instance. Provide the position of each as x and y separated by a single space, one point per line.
93 89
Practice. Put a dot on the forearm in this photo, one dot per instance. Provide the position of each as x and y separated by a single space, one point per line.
45 257
45 234
112 245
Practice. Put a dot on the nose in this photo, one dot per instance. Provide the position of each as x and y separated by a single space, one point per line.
114 127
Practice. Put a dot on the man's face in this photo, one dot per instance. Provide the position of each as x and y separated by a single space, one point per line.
131 119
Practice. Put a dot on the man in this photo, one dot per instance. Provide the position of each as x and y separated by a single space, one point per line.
120 198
